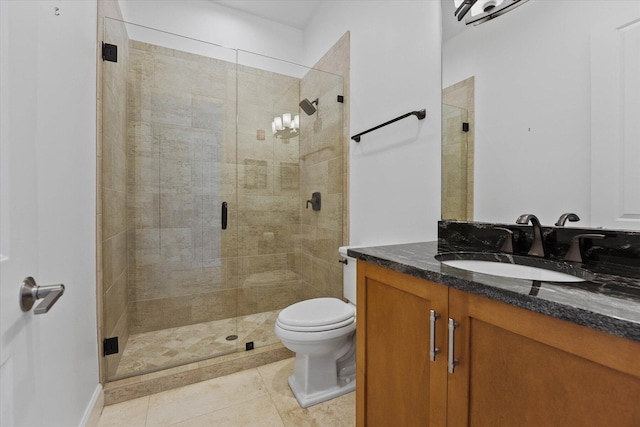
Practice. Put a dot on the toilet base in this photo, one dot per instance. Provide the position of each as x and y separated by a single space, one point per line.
309 399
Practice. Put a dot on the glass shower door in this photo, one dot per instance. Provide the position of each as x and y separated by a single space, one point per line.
192 132
454 163
168 163
287 252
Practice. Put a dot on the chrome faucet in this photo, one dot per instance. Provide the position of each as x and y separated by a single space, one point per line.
537 247
567 216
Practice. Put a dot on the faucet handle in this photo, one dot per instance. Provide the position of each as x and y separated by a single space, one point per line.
567 216
574 254
507 245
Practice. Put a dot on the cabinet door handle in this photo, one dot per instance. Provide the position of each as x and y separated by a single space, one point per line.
433 350
452 361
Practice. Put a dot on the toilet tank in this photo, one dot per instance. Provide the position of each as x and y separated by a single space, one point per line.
349 275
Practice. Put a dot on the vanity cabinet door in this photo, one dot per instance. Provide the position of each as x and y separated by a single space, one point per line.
520 368
397 384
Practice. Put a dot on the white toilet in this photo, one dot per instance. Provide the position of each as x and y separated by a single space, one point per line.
322 333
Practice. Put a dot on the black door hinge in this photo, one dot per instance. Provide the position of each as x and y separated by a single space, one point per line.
109 52
465 127
340 98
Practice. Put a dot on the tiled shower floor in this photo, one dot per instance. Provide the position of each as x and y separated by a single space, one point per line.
150 351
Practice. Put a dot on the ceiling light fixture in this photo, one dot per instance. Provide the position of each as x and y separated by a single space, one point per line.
483 10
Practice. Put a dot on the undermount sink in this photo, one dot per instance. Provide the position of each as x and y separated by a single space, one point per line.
515 271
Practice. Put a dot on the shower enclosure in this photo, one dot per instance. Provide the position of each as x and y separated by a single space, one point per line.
454 163
207 162
458 150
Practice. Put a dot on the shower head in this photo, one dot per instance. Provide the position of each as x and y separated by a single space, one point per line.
307 106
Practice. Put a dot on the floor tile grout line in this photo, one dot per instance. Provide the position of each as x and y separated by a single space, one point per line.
273 402
146 416
272 397
243 401
147 404
225 409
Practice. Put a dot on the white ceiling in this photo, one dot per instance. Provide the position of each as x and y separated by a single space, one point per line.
297 13
294 13
451 27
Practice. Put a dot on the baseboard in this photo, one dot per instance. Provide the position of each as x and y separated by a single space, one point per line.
92 413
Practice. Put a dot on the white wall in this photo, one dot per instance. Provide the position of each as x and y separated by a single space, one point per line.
532 73
209 22
55 57
395 68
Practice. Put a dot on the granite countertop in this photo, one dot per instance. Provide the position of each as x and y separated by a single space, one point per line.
605 301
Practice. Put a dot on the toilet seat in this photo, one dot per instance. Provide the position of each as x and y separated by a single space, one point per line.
316 315
320 328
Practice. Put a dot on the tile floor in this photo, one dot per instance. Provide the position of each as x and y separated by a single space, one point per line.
255 397
150 351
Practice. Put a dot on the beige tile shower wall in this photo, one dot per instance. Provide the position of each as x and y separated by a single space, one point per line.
113 265
181 122
454 168
268 206
337 60
324 168
270 255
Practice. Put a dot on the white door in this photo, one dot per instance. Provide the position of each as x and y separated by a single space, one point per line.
615 124
20 349
48 362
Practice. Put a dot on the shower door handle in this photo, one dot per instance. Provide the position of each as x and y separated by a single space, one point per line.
224 215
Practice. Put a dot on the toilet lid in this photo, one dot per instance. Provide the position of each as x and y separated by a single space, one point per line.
321 328
316 312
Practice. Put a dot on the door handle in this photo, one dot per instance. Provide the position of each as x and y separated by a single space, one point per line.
30 292
433 350
452 361
224 215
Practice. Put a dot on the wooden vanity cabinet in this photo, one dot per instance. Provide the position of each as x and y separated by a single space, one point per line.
396 383
520 368
514 367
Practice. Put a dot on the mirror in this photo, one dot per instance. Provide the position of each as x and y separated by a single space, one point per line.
528 83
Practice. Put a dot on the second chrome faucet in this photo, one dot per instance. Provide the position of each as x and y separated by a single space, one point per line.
567 216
